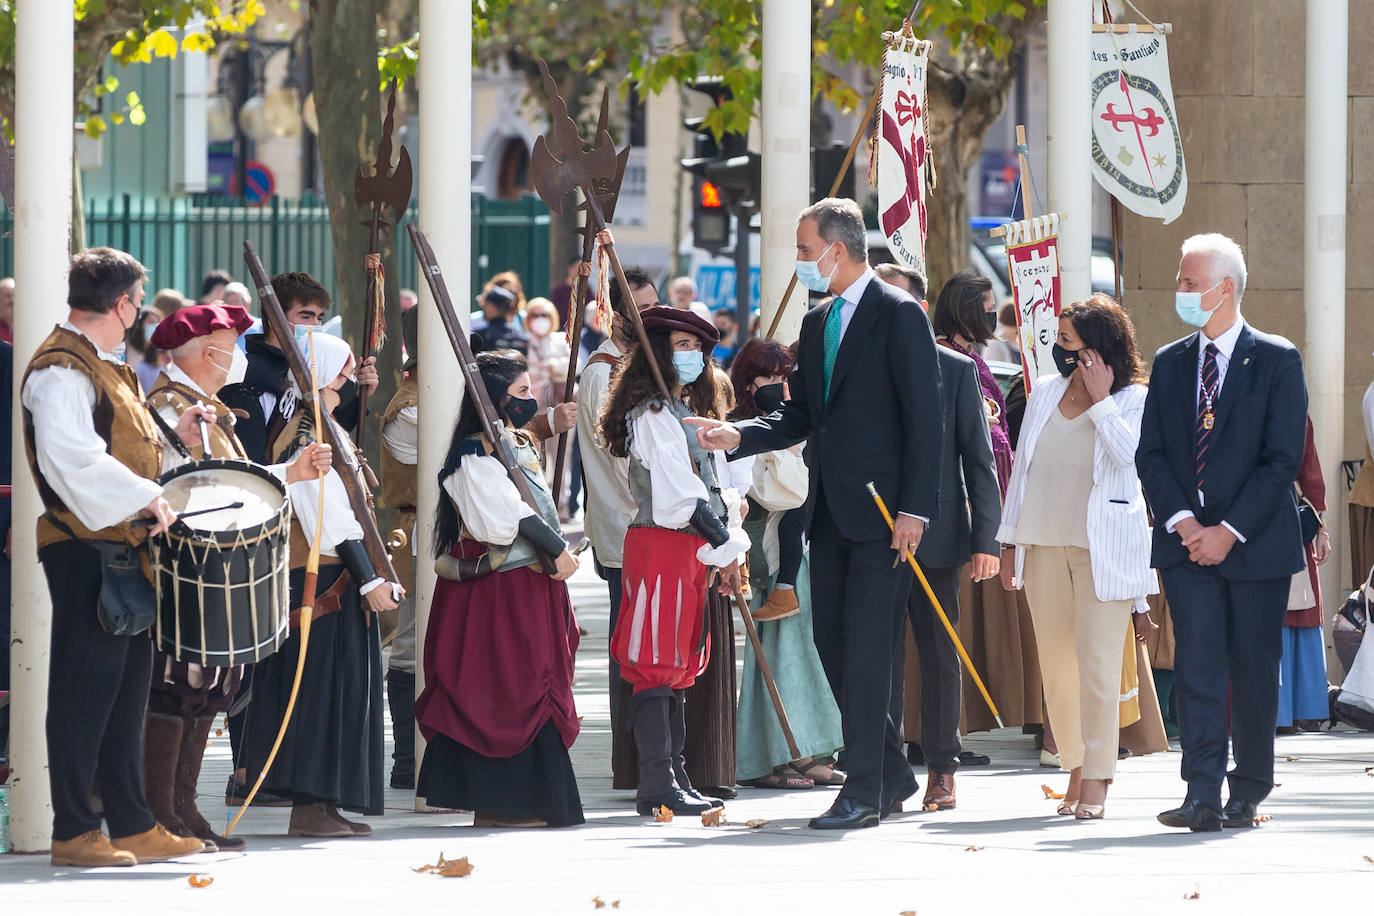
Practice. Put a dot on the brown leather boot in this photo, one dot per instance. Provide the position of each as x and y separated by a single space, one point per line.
189 760
158 845
357 828
939 791
91 849
781 604
315 821
162 744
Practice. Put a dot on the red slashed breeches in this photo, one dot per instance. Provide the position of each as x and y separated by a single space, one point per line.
660 637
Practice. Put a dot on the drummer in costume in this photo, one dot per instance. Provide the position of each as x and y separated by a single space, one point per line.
186 697
331 756
677 536
95 452
497 709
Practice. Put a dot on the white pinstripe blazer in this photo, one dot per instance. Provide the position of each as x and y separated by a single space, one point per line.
1118 527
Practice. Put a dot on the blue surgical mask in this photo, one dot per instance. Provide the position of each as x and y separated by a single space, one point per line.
689 365
1189 306
302 331
809 273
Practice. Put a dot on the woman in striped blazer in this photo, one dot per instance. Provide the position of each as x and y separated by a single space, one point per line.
1075 518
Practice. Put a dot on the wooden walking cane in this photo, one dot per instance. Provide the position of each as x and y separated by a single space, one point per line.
590 167
935 603
308 589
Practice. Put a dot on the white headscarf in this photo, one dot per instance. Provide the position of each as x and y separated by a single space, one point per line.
331 356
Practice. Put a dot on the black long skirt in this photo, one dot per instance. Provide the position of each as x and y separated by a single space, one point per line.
333 748
538 782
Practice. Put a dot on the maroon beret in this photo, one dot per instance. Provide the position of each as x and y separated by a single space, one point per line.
199 320
676 319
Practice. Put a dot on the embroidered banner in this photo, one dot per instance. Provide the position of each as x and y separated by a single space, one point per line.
1033 266
902 149
1137 148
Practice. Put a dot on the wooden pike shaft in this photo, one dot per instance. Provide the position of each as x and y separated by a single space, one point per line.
752 630
940 612
577 317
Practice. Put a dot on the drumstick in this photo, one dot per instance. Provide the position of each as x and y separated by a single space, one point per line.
204 433
233 505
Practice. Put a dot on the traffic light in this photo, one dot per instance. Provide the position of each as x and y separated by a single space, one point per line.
725 174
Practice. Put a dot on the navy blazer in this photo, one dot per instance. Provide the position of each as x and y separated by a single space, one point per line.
1256 450
884 421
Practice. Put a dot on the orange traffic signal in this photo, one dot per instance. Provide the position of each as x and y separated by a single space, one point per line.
710 196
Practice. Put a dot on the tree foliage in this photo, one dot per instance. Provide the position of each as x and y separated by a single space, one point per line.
132 31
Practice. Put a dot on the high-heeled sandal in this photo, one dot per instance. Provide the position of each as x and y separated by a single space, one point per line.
1090 812
1066 807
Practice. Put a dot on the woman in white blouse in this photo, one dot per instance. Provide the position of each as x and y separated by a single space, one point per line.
678 537
497 709
1075 519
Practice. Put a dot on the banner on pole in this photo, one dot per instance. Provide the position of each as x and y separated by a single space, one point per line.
902 150
1137 149
1033 266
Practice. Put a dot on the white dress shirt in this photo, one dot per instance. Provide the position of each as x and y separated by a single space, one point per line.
1226 345
402 435
486 498
74 461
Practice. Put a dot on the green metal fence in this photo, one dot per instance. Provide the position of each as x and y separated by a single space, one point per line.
180 239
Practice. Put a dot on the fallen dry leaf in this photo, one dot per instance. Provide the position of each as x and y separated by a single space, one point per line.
200 880
973 849
1193 894
598 903
446 868
1050 793
931 807
756 823
662 815
1291 759
1369 771
907 913
714 818
219 732
1369 859
615 904
1263 818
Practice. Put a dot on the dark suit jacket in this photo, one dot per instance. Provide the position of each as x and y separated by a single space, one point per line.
884 419
968 476
1253 460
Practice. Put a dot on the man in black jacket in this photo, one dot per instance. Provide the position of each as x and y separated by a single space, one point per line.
1221 443
866 398
970 510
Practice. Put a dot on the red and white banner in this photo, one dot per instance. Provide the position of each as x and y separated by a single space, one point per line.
1033 265
902 149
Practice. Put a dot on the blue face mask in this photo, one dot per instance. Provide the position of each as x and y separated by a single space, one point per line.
809 273
689 365
302 331
1189 307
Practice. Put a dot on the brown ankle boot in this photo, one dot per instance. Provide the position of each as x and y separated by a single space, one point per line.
162 745
939 791
158 845
781 604
189 760
357 828
314 820
91 849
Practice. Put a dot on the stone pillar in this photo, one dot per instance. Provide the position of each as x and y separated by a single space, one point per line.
1070 141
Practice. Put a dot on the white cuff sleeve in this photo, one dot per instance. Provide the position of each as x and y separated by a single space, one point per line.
1228 526
1103 408
1177 517
375 583
727 553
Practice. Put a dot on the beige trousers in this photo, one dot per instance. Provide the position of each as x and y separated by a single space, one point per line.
1079 640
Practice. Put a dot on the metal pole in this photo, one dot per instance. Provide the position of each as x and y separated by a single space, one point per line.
786 129
445 186
741 253
1070 141
42 209
1324 197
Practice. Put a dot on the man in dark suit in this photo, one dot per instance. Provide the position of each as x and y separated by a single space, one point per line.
1220 447
970 511
866 398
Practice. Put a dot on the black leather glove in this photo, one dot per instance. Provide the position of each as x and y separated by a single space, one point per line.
354 556
707 524
537 531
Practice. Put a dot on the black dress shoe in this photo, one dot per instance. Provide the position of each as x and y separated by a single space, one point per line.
1194 815
676 801
714 792
846 814
892 804
970 759
1238 814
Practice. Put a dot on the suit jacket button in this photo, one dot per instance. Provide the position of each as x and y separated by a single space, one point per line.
821 430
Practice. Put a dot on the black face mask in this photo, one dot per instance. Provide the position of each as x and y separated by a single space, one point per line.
1065 360
129 331
769 397
520 411
991 319
347 412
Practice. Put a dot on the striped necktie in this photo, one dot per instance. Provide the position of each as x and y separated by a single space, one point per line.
834 328
1206 409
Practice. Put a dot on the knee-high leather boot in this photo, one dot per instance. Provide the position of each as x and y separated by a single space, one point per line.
161 747
400 694
187 776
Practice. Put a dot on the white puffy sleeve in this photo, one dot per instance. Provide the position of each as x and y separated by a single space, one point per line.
487 501
339 523
658 441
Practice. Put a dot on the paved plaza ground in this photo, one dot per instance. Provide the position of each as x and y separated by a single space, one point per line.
1002 850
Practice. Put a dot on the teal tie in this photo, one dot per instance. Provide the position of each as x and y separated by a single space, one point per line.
833 329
